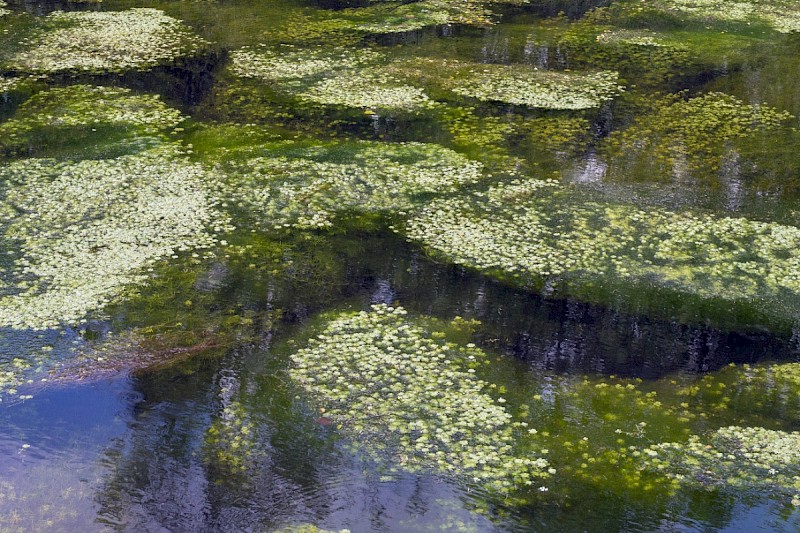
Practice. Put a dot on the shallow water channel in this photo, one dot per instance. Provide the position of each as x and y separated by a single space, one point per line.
324 265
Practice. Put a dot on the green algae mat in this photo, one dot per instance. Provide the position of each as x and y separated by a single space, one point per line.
380 265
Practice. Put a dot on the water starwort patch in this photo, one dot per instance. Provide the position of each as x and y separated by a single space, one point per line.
387 381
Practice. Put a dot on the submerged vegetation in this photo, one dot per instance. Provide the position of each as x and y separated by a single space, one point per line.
100 42
83 231
308 186
536 232
230 207
411 399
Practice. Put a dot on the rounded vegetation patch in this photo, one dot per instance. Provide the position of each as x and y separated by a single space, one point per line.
104 41
387 381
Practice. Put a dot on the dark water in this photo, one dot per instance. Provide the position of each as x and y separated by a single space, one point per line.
124 440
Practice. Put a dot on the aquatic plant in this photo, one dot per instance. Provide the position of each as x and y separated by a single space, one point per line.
690 135
307 188
80 232
308 528
8 84
530 231
536 88
367 91
70 114
104 41
350 25
754 392
3 10
231 439
733 457
782 15
289 62
405 395
514 84
342 77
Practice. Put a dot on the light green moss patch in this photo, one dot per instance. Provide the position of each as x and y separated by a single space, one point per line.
78 233
733 457
531 231
690 135
307 187
70 114
404 394
104 41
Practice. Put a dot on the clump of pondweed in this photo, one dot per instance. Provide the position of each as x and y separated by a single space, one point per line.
83 231
754 392
514 84
690 135
738 458
642 55
104 41
529 232
386 380
305 187
231 438
70 114
381 18
341 77
781 15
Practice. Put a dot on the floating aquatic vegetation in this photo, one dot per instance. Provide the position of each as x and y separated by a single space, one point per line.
104 41
388 381
515 84
339 77
80 232
231 438
754 393
306 189
690 135
530 231
289 62
350 25
3 10
492 138
308 528
69 114
367 91
642 55
782 15
733 457
8 84
537 88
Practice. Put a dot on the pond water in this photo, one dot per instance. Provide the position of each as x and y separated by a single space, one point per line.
324 265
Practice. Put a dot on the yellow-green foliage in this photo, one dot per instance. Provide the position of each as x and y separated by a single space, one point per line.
74 112
82 231
733 457
514 84
105 41
532 230
404 394
762 391
231 438
692 134
782 15
306 187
